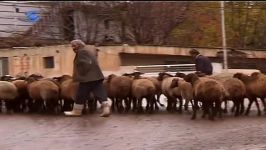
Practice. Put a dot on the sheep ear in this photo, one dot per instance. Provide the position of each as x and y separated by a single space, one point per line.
255 74
138 73
237 75
110 77
174 83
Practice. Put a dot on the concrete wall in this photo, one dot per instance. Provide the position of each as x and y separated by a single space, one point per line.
30 60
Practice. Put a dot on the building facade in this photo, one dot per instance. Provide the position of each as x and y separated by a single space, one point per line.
57 60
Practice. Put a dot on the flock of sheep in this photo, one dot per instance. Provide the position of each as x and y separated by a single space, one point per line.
127 92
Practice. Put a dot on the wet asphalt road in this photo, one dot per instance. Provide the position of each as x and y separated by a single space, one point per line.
157 131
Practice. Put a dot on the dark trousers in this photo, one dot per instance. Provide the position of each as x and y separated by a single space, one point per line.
85 88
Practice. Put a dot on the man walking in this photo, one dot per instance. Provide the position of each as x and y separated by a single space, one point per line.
87 72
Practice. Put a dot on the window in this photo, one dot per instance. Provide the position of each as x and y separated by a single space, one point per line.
48 62
17 10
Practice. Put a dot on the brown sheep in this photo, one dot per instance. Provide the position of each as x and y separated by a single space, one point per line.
68 90
255 87
8 93
143 88
20 100
179 74
209 92
235 88
45 94
185 88
236 92
23 95
171 93
119 89
158 85
261 79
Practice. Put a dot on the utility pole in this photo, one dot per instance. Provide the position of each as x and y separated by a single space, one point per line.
224 37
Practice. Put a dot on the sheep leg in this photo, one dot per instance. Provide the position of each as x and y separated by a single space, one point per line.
113 104
61 104
134 104
186 105
140 108
195 104
148 104
152 104
211 115
24 105
218 108
9 106
158 100
58 106
174 107
38 106
117 104
225 106
31 105
249 105
168 108
120 107
237 104
16 105
264 104
194 116
242 106
233 108
258 107
156 105
204 107
128 103
180 104
48 106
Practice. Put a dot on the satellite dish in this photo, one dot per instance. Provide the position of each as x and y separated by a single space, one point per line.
33 16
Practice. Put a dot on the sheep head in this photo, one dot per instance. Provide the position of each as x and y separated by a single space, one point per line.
179 74
243 77
174 83
191 78
7 78
255 75
33 77
135 75
163 75
110 77
62 78
200 74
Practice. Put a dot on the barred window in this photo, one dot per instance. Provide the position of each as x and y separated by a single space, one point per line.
48 62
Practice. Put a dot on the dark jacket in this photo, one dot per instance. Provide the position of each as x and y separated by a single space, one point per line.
203 64
86 67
